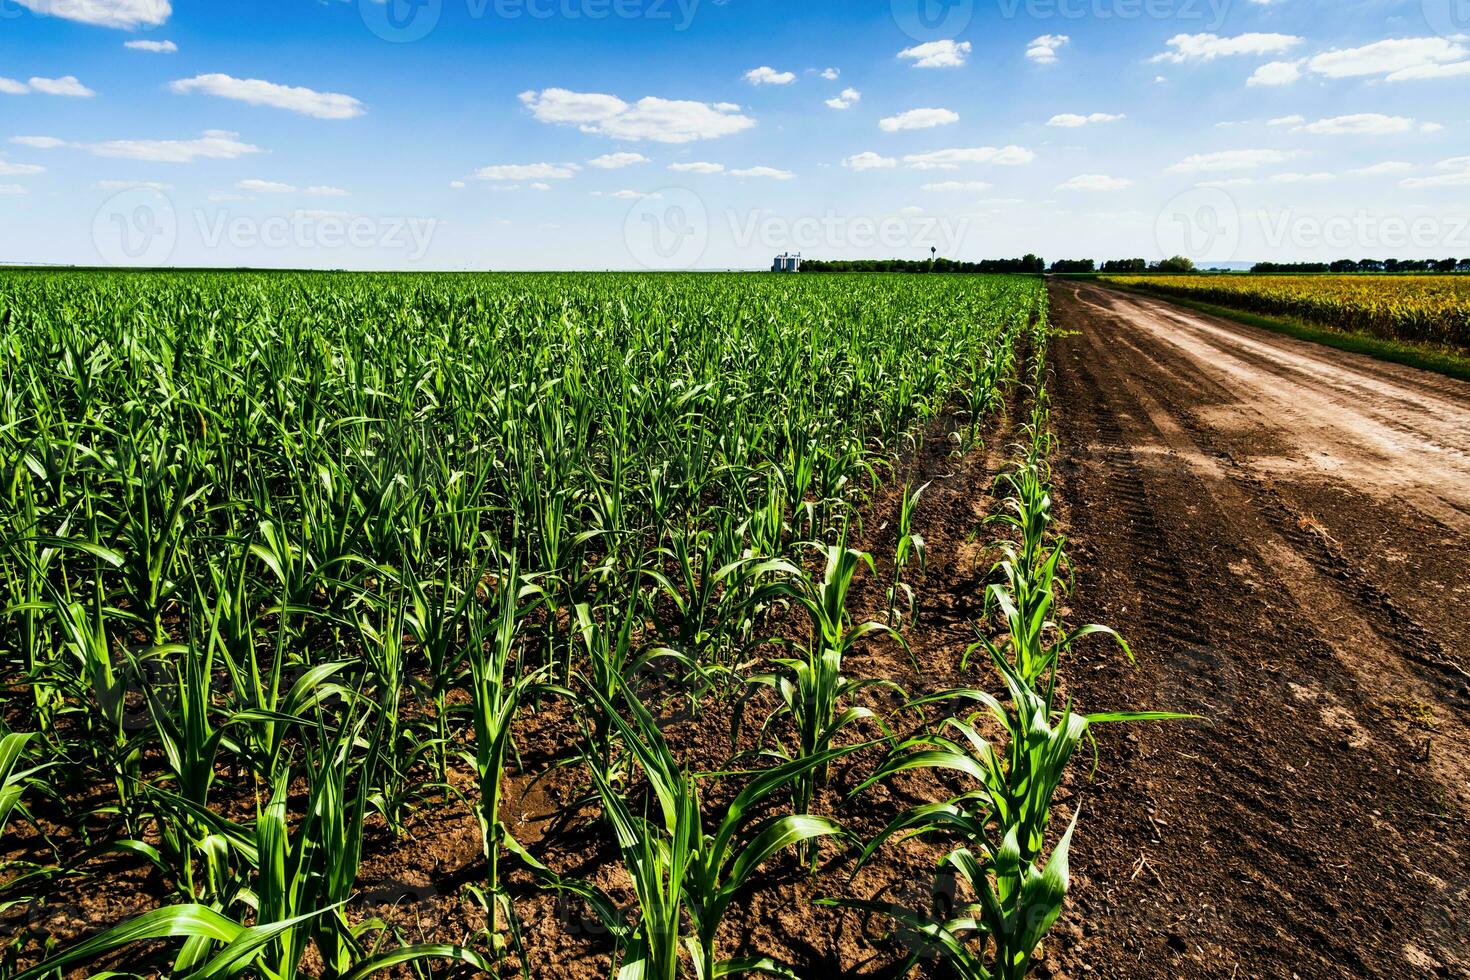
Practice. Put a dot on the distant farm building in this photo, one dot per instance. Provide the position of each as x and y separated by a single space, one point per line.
786 262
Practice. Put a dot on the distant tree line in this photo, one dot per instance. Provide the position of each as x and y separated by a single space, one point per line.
1367 265
1176 264
1027 263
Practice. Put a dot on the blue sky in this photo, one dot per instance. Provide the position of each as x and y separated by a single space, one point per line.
587 134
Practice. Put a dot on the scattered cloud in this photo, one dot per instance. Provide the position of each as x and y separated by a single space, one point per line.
938 54
1297 178
1095 182
255 186
955 186
1276 73
124 14
129 185
153 47
255 91
12 190
1069 120
918 119
616 161
654 119
770 173
457 185
1460 179
66 85
213 144
697 167
1287 121
1360 124
868 160
1207 47
1043 50
1385 168
1399 59
1227 160
1005 156
830 74
38 142
528 171
8 169
849 98
766 75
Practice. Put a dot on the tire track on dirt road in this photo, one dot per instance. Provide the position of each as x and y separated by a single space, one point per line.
1281 530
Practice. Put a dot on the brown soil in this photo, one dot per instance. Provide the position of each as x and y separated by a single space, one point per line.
1282 531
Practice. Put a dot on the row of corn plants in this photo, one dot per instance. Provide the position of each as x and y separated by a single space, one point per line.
288 558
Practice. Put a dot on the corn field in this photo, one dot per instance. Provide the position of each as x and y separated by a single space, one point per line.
1427 309
289 560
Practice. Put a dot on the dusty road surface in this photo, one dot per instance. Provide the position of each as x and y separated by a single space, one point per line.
1283 532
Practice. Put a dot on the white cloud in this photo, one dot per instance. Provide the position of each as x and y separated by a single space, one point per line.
216 197
1043 50
66 85
938 54
528 171
255 91
627 195
214 144
831 74
1295 178
1095 182
767 172
1402 57
12 190
651 118
1431 127
1227 160
918 119
697 167
128 185
125 14
1208 47
154 47
1360 124
457 185
38 142
322 190
849 98
9 86
1439 180
955 186
255 186
1071 120
1454 163
539 186
1287 121
1228 182
766 75
616 161
8 169
1006 156
1276 73
1386 168
1419 72
868 160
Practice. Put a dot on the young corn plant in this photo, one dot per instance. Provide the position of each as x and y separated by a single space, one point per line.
1011 897
910 548
687 873
813 694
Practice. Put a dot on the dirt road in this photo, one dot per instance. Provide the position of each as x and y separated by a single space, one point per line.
1283 532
